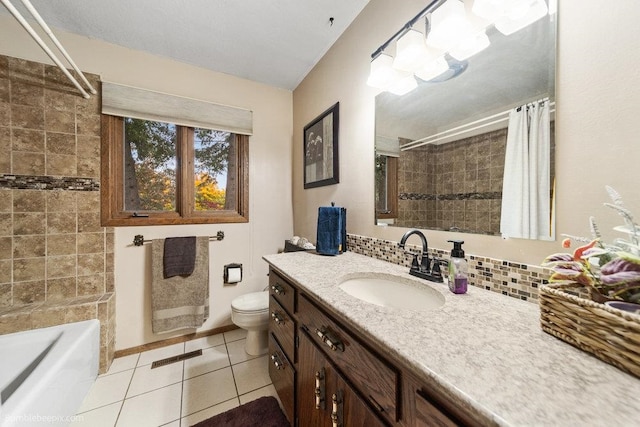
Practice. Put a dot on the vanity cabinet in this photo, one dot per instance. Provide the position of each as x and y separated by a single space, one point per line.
316 355
324 396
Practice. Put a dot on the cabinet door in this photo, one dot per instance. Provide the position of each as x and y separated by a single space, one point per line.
324 397
315 382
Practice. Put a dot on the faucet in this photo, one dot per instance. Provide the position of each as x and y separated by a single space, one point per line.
422 269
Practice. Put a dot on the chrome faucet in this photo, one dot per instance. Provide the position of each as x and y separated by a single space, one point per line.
424 269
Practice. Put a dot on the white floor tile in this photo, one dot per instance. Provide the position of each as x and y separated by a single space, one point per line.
252 374
105 416
146 379
269 390
237 353
212 359
211 411
204 342
106 390
207 390
123 364
148 357
234 335
152 409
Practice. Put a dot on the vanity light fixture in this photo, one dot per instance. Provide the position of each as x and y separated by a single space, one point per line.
510 15
454 30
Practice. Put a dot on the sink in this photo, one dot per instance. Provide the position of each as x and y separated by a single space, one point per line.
387 290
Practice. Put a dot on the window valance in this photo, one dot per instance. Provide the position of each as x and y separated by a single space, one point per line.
126 101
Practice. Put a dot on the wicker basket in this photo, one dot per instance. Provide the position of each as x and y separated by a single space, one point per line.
611 335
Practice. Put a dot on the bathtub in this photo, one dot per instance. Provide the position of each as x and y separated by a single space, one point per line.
46 373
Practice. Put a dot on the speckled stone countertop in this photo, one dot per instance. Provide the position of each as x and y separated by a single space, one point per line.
483 349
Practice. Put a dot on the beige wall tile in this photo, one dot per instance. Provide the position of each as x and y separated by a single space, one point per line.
5 144
25 163
6 295
6 200
89 222
28 201
6 244
88 201
60 143
27 140
61 266
62 288
5 89
90 264
91 285
61 222
60 121
27 93
27 117
6 268
88 167
89 124
29 246
61 244
6 225
58 100
28 292
61 165
50 316
91 243
28 269
81 312
28 223
61 201
15 322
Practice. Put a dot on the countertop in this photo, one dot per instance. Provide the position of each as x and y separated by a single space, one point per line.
481 348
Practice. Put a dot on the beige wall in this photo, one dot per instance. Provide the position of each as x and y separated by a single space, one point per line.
270 174
598 97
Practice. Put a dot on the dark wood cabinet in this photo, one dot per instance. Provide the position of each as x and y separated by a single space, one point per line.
324 396
328 375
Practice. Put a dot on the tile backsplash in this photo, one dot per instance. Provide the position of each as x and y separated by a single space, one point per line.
502 276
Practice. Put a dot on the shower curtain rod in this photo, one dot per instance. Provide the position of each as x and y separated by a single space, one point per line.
462 129
16 14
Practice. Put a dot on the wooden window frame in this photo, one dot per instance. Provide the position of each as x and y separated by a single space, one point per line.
392 190
112 211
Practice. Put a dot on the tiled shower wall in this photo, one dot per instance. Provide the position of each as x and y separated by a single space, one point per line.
502 276
454 185
56 261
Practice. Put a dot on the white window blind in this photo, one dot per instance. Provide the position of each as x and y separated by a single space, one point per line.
387 146
127 101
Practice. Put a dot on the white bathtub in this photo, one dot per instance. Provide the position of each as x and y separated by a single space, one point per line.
46 373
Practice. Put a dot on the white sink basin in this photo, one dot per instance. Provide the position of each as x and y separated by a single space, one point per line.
387 290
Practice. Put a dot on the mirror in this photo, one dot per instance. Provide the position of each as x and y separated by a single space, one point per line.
440 148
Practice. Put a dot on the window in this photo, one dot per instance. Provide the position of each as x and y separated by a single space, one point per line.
386 186
156 173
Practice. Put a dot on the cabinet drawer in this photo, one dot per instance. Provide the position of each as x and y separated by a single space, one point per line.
427 413
283 327
373 377
282 375
282 291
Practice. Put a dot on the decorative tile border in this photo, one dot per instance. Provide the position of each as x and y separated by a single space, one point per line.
31 182
516 280
453 196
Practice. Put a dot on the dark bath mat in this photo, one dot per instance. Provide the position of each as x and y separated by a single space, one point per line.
263 412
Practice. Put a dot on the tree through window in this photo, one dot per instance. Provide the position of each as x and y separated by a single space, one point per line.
160 173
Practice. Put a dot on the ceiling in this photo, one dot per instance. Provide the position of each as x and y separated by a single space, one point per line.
272 42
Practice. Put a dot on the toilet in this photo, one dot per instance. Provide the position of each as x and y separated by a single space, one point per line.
251 312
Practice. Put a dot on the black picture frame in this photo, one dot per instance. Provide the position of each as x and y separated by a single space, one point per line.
320 149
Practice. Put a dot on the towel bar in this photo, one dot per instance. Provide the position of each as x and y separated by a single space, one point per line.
138 239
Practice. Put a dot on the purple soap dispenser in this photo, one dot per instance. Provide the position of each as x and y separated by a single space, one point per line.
457 269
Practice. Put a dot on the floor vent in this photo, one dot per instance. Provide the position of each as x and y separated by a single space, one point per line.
174 359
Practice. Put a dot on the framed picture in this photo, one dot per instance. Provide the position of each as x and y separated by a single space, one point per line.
321 149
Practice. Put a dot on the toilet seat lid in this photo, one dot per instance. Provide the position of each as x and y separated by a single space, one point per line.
254 301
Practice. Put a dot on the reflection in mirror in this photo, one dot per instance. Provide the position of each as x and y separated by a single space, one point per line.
448 138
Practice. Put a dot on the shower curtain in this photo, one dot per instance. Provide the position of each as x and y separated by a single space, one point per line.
526 191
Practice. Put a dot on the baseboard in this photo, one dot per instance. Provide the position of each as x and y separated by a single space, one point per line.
174 340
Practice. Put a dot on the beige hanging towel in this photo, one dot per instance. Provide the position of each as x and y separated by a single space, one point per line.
179 302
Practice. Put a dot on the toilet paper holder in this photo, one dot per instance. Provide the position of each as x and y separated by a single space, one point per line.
232 273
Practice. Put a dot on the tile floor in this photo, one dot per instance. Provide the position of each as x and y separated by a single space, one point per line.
179 394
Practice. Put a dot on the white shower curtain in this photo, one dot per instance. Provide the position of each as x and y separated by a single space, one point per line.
526 191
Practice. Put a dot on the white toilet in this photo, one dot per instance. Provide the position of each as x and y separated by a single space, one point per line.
251 312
